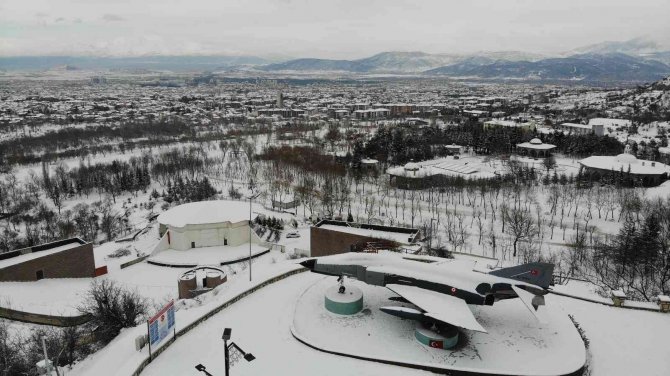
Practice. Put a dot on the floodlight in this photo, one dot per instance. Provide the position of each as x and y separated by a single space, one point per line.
248 357
226 334
200 367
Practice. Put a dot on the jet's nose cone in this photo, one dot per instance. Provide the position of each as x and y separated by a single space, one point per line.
309 264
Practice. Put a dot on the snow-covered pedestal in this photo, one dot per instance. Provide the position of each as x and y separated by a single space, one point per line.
349 302
445 339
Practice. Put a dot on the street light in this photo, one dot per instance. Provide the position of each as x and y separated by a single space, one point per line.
251 198
227 333
203 369
430 238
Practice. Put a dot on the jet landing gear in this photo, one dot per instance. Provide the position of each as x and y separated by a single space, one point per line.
343 300
342 289
436 335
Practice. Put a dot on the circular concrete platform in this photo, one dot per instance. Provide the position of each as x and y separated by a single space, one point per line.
445 339
348 303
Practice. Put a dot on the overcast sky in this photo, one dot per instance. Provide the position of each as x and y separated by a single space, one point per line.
317 28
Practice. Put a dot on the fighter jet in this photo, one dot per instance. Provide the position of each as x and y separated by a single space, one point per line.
440 289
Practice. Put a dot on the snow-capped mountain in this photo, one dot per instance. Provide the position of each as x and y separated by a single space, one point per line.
584 67
398 62
636 46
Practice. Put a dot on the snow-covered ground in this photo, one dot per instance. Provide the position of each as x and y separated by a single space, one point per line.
622 341
207 255
267 336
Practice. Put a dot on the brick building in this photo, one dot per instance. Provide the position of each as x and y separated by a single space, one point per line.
68 258
330 237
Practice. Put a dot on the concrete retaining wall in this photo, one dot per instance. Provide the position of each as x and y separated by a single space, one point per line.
41 319
133 262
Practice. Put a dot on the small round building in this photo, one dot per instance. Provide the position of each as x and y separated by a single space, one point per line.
206 224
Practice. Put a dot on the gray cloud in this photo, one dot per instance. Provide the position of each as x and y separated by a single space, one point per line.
326 29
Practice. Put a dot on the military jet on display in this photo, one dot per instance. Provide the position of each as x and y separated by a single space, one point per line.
441 289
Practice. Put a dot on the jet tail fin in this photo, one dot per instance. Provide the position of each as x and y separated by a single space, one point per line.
536 273
531 301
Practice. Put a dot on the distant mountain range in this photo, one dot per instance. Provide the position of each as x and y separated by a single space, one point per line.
636 60
396 62
584 67
603 67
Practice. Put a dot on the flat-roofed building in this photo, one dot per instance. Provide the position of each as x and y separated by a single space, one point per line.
526 126
69 258
582 129
330 237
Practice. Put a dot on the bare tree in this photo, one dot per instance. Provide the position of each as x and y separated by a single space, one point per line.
113 307
520 225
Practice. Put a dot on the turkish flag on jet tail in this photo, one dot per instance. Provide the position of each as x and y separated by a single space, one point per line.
435 344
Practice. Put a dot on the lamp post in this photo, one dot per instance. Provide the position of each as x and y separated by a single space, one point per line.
203 369
227 332
430 238
251 198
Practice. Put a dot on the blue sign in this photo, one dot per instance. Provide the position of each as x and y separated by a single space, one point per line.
161 324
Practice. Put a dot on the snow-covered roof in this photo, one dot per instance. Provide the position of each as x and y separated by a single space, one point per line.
410 170
576 125
664 150
399 237
205 212
618 293
369 161
503 123
411 166
536 144
609 122
624 162
34 255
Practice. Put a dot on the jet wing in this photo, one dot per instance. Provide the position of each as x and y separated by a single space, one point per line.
442 307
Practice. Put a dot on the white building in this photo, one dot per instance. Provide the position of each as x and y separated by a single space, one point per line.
582 129
527 126
665 154
610 123
651 172
206 224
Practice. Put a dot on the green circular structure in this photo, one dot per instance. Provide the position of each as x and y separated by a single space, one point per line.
445 339
348 303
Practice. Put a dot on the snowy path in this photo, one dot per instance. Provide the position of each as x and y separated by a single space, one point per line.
260 324
622 341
